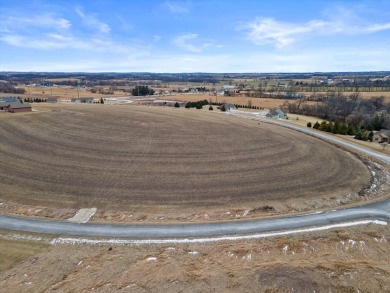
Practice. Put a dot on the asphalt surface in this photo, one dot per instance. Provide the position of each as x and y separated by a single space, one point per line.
378 211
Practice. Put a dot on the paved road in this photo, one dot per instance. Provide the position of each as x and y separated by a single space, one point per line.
382 157
379 211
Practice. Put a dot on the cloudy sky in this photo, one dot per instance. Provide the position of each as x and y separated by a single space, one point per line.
194 35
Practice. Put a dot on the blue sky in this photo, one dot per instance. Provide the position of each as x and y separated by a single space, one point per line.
194 36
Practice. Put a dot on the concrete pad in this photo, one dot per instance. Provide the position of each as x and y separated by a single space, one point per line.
82 215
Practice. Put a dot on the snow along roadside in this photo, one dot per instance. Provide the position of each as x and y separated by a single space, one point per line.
210 239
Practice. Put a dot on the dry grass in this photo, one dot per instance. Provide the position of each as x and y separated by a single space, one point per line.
65 93
342 260
164 161
13 252
364 95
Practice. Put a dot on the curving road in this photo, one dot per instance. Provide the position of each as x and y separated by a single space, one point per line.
381 157
379 211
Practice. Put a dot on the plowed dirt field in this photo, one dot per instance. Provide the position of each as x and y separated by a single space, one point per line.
161 160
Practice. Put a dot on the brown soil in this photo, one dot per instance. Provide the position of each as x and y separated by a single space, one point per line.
165 161
354 259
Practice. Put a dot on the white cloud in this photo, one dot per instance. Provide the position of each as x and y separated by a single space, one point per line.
192 43
378 27
142 59
264 31
45 20
92 21
183 41
177 8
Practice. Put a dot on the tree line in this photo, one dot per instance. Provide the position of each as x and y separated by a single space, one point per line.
359 133
370 114
35 100
6 87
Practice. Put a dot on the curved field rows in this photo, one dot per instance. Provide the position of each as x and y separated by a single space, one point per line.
126 157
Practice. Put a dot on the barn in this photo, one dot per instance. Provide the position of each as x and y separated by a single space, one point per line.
17 107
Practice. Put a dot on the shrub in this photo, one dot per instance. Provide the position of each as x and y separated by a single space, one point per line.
309 124
211 108
177 105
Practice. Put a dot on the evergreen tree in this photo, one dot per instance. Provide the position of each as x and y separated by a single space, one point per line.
336 128
316 125
322 126
365 135
177 105
223 108
343 129
371 136
329 126
211 108
142 90
358 135
351 130
308 124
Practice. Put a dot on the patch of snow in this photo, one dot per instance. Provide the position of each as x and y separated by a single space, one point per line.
24 237
130 285
193 252
151 258
285 249
246 212
315 213
352 242
80 262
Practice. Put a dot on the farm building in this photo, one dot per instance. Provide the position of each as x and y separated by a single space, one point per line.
277 113
53 100
9 99
3 106
381 137
15 107
228 106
